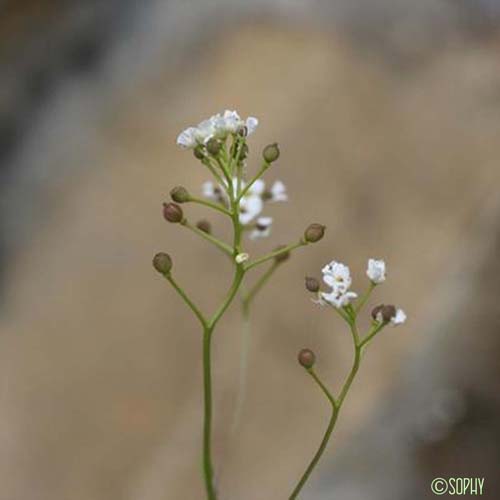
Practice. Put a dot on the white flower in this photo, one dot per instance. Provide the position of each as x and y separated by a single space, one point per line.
376 271
338 298
337 276
251 124
205 130
210 190
262 228
219 125
251 204
278 192
187 138
250 207
399 318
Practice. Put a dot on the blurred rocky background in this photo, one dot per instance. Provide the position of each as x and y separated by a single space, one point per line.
388 115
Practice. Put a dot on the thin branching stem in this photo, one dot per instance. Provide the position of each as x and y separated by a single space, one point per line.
274 254
212 239
336 405
214 206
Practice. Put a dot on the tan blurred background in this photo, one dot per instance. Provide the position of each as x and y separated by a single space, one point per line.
388 117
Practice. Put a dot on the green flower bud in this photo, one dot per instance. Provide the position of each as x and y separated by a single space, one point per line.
314 233
205 226
312 284
306 358
172 212
162 263
179 194
214 146
282 257
271 152
198 152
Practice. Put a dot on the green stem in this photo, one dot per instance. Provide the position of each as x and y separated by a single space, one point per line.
365 297
324 441
274 254
207 203
245 190
207 361
220 244
206 161
207 411
372 334
242 382
187 300
336 407
250 295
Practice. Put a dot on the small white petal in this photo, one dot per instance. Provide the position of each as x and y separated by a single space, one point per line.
257 187
251 124
376 271
278 192
250 207
399 318
262 228
187 138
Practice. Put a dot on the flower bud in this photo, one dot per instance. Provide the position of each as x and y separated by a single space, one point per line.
383 313
198 152
376 311
271 152
282 257
306 358
162 263
214 146
314 233
312 284
204 225
179 194
172 212
388 312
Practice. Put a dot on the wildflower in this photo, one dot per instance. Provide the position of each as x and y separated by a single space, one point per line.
338 277
251 206
213 192
389 313
262 228
376 271
187 138
276 193
218 127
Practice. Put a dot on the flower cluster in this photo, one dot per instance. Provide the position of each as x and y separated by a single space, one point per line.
337 277
251 204
218 126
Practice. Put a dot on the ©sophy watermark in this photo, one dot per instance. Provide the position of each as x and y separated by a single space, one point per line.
459 486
